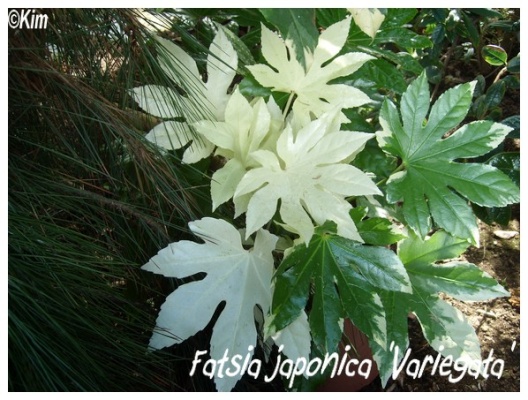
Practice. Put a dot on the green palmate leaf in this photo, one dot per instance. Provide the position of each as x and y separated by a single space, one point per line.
250 87
297 25
396 313
379 232
373 159
357 123
433 184
444 327
376 231
228 266
462 280
440 246
344 274
510 164
494 55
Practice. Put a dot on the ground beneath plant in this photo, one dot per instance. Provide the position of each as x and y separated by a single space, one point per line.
496 322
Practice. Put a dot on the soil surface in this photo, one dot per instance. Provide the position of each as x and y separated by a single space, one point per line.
497 323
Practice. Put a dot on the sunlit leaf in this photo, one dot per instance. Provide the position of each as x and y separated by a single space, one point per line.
310 85
433 185
306 173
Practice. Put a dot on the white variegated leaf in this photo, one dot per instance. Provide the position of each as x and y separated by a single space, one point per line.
204 101
247 128
314 94
295 338
240 278
367 19
307 175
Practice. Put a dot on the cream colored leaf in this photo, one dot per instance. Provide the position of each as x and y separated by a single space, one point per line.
170 135
295 338
307 174
314 94
158 100
240 278
212 96
368 20
247 128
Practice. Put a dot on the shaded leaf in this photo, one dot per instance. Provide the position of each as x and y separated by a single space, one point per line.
513 122
403 38
495 94
385 74
509 163
514 65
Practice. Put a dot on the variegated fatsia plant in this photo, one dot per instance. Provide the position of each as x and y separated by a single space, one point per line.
315 228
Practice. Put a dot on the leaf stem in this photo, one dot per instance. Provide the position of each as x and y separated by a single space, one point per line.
500 74
400 168
288 105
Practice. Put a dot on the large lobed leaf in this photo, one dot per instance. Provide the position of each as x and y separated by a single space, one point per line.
462 280
307 173
205 100
246 128
344 274
311 83
445 328
238 277
433 184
